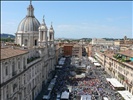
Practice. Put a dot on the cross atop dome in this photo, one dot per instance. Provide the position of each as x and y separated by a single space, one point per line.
43 17
51 24
43 20
30 2
30 10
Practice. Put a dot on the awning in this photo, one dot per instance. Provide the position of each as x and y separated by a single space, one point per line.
105 98
92 59
65 95
85 97
114 82
80 76
97 64
70 88
126 95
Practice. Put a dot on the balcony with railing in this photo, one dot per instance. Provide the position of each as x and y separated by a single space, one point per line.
123 59
33 60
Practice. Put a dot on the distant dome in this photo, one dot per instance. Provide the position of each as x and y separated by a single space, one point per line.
29 23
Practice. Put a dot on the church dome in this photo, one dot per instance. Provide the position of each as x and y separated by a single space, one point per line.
29 23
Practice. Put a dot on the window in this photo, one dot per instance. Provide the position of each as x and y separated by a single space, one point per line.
35 42
24 63
25 42
14 87
42 35
13 68
6 70
19 65
24 79
24 92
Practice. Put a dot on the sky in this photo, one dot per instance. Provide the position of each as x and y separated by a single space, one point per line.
73 19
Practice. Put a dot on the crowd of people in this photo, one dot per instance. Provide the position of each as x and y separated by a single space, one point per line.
94 84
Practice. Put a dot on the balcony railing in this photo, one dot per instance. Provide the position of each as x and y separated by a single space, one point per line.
32 59
121 59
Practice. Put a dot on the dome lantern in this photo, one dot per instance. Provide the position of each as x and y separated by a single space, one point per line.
30 10
29 23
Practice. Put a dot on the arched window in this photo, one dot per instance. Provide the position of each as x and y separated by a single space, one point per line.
35 42
13 66
50 36
24 66
42 35
6 68
19 64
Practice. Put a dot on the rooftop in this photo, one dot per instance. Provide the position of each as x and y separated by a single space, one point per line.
11 52
128 53
111 54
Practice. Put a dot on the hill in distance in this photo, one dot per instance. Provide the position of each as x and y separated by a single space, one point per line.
6 35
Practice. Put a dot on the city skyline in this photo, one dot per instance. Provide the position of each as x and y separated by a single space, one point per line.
74 19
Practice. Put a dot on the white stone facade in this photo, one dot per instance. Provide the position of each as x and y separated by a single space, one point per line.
22 80
96 41
24 75
117 69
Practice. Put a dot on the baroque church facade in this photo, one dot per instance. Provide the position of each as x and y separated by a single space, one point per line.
26 70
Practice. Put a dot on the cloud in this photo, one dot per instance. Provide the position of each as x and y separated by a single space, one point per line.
91 30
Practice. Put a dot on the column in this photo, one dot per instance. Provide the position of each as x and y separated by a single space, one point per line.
39 36
44 36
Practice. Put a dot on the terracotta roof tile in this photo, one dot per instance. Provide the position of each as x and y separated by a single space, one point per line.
9 52
128 53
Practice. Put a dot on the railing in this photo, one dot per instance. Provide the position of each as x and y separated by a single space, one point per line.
31 59
32 62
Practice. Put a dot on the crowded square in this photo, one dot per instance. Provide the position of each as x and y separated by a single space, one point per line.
80 79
